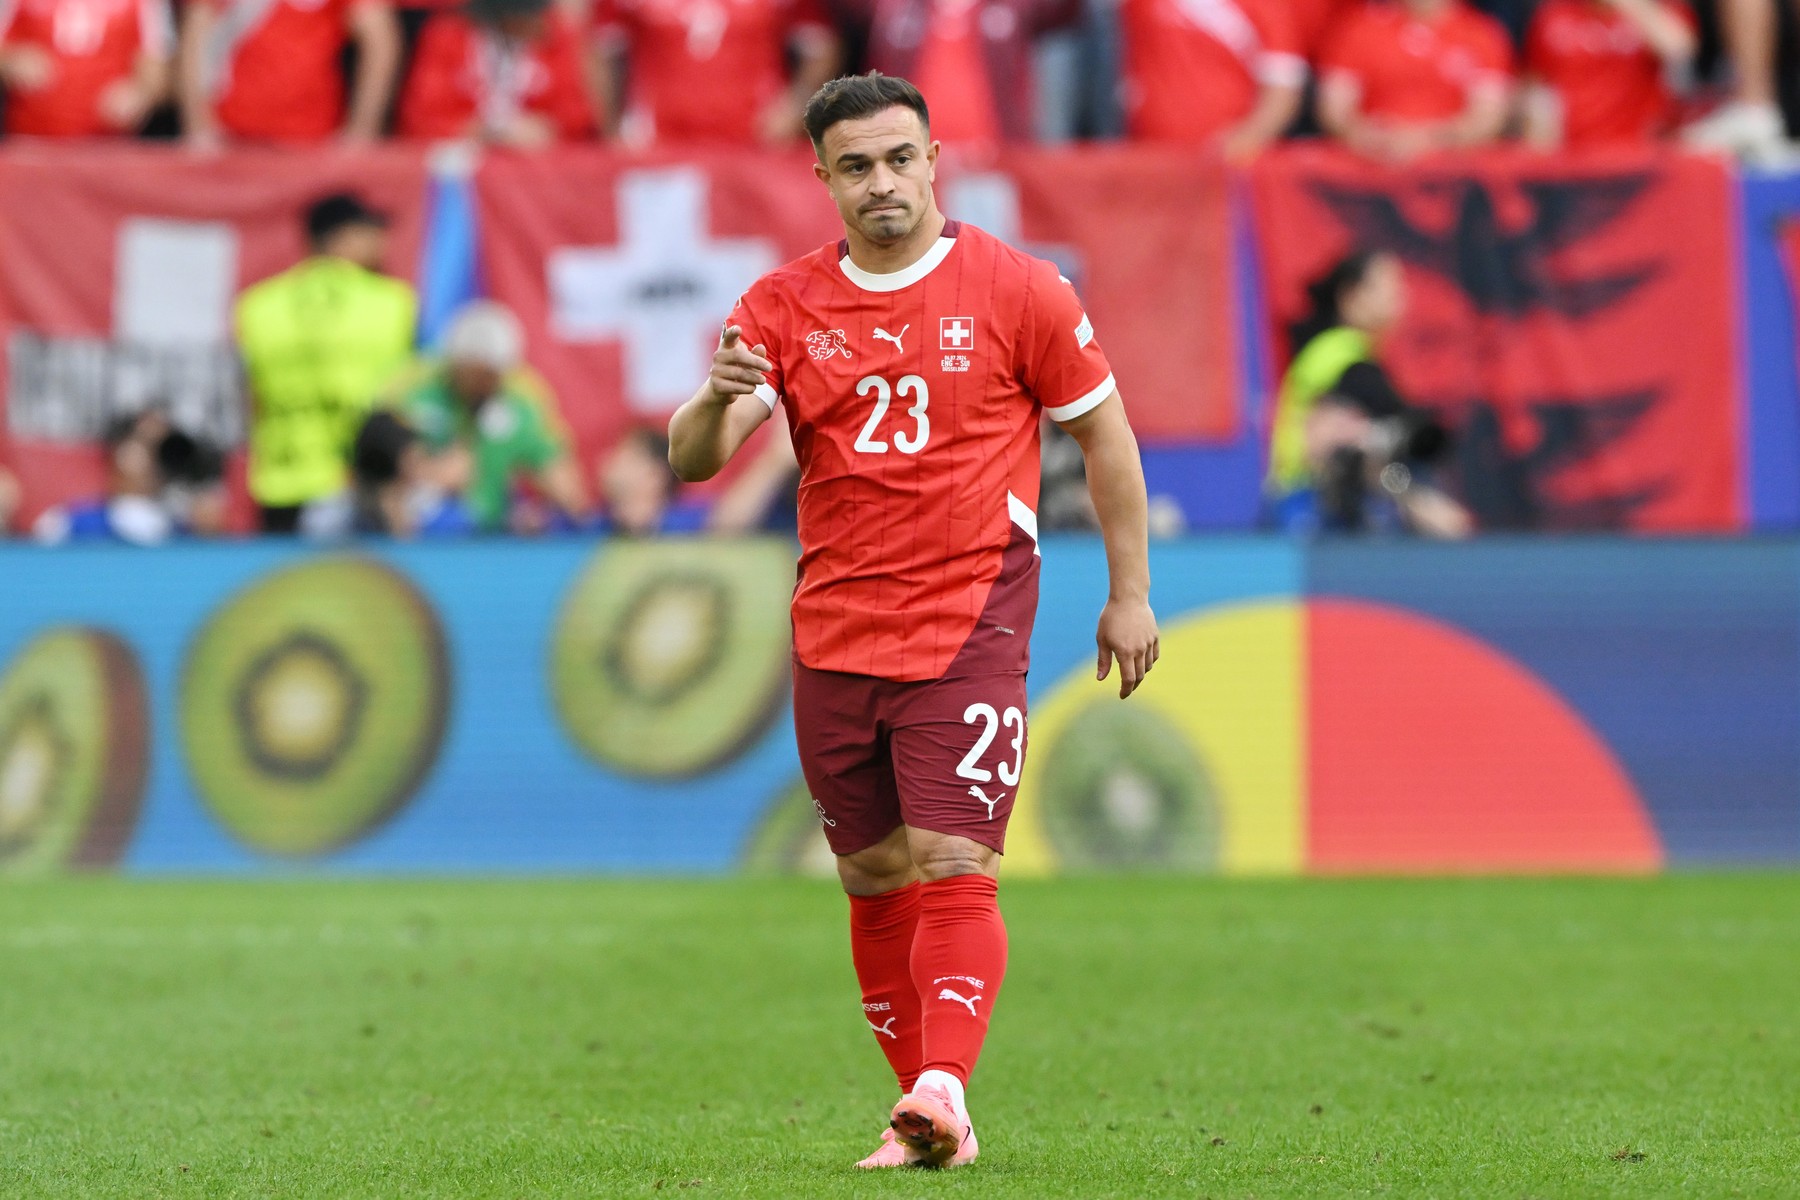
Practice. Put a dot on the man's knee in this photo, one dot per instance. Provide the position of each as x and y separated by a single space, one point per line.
879 868
944 856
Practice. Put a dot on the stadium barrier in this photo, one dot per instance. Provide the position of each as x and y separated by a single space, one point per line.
1509 706
1613 334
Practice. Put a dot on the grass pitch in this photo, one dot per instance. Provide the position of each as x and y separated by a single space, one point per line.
1156 1037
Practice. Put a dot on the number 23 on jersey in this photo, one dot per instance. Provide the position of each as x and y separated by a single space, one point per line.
874 436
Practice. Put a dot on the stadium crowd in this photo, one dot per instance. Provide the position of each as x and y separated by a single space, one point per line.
468 441
1391 78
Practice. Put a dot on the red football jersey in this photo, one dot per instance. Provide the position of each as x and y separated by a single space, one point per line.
914 400
461 72
704 70
280 77
1612 86
93 44
1193 67
1410 69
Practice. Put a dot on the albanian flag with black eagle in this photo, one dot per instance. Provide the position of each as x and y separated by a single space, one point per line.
1571 319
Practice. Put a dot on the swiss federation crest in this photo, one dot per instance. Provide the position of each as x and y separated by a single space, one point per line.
826 343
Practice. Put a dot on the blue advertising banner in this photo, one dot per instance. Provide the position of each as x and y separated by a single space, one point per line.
572 705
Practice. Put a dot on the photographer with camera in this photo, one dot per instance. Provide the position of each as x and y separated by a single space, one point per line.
1347 452
160 484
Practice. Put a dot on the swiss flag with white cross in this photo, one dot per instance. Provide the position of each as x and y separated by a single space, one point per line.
956 333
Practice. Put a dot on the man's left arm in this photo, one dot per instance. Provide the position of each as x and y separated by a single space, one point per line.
1115 474
375 28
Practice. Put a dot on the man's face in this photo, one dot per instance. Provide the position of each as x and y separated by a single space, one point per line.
473 382
879 171
362 242
635 487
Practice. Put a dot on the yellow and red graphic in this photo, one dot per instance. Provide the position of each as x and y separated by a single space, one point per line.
1324 735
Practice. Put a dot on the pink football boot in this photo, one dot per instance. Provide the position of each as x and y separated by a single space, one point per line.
930 1124
890 1154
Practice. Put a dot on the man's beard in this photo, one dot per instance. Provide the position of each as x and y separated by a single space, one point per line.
890 226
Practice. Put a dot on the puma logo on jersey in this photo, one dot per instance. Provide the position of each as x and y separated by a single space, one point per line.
887 1027
982 796
827 343
885 336
967 1002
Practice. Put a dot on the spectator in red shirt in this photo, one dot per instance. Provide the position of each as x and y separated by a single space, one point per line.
1598 71
83 68
1313 19
1402 80
1217 72
268 70
711 70
973 58
502 71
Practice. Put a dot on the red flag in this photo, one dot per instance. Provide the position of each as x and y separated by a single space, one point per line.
118 267
1571 318
622 269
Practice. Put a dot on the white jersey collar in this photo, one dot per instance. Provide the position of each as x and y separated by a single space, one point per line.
893 281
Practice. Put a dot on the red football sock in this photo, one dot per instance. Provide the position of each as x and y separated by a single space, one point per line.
881 942
958 960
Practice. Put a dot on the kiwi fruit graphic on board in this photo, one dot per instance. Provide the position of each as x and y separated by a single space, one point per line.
313 704
74 751
670 658
787 839
1122 787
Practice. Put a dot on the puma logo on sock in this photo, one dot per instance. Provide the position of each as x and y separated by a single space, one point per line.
966 1001
886 1027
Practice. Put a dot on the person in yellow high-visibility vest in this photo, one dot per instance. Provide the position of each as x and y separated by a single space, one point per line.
319 343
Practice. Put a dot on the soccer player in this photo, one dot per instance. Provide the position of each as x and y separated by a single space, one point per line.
913 359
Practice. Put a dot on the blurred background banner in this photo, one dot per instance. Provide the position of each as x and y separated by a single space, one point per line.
118 268
1584 350
622 705
1146 238
621 269
1611 334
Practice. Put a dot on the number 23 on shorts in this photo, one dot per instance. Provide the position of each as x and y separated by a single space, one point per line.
990 721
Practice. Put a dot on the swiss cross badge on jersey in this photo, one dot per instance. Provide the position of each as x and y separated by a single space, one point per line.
827 343
956 335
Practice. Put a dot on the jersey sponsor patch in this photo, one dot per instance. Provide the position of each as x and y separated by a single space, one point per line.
825 343
1084 332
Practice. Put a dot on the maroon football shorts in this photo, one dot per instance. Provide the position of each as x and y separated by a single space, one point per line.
940 754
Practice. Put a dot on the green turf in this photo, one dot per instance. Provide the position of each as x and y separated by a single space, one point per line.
1156 1037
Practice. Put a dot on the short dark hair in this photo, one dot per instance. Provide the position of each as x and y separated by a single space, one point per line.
380 445
856 96
330 213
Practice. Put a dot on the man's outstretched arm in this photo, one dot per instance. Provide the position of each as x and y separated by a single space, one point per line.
706 431
1115 478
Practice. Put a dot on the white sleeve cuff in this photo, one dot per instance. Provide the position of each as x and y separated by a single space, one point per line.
768 395
1087 403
